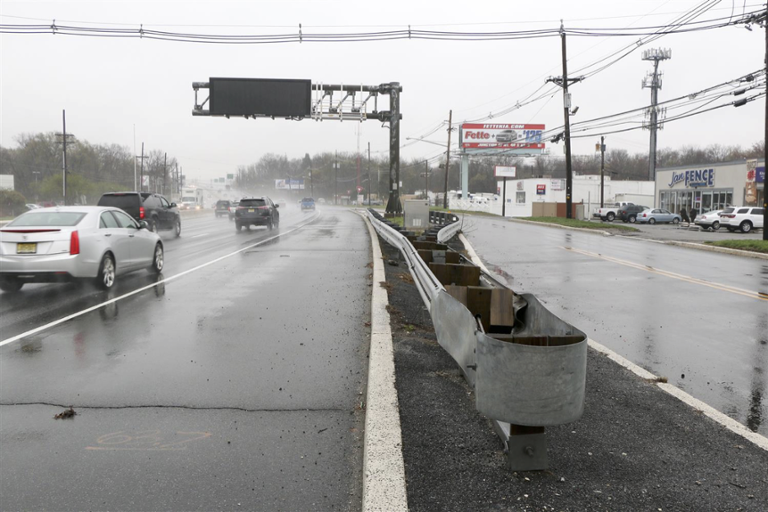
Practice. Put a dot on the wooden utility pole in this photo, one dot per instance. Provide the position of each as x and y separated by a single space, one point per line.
448 159
567 114
64 144
765 140
165 170
426 179
602 170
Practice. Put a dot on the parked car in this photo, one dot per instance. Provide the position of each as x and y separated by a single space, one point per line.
222 207
307 204
256 211
610 211
654 215
708 220
744 218
66 243
32 206
159 213
628 213
232 208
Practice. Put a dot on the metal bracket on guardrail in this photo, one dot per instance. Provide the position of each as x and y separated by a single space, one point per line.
527 366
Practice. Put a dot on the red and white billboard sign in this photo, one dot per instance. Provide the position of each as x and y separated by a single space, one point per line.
501 136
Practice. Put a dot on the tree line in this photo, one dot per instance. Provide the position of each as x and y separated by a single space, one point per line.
36 164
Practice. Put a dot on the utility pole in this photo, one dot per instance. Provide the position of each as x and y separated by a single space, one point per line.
65 140
141 175
336 177
602 170
426 179
765 140
563 82
567 114
448 159
165 170
369 174
653 82
64 144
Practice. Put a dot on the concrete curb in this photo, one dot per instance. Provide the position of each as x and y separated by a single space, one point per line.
384 486
717 416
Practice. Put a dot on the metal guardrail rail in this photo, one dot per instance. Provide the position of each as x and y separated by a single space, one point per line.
526 376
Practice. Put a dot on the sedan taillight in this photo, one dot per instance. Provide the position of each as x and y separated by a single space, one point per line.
74 244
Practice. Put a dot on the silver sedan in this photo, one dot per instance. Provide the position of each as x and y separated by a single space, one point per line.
654 215
65 243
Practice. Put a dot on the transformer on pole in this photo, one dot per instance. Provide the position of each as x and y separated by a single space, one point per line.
652 81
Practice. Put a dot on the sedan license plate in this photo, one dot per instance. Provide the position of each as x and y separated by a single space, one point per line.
26 248
251 210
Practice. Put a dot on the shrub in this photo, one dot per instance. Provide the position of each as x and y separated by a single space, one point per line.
11 203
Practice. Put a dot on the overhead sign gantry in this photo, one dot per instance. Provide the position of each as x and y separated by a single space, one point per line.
301 99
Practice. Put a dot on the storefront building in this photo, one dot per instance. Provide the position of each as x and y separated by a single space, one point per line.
710 187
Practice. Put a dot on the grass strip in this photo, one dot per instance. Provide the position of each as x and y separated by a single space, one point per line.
744 245
575 223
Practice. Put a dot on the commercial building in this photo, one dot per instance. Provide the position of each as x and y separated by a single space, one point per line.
521 194
711 186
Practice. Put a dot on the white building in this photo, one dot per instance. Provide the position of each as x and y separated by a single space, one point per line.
522 193
709 186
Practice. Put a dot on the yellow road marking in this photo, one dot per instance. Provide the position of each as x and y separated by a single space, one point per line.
673 275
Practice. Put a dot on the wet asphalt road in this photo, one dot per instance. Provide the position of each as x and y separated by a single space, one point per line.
237 385
692 316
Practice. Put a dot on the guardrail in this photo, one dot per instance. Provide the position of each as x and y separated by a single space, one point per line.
527 366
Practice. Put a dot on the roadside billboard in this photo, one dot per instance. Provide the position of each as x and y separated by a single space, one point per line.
501 171
501 136
289 184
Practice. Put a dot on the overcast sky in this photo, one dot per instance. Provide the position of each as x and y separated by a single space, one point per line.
111 87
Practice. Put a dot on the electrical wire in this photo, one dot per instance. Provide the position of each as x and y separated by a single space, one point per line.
684 24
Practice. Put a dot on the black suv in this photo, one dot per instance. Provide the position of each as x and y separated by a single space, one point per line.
629 213
222 207
259 211
155 209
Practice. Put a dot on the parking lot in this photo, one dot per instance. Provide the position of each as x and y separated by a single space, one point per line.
682 232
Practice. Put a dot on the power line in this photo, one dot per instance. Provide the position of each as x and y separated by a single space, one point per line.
684 25
446 24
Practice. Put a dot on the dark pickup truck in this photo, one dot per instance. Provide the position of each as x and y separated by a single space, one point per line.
155 209
629 213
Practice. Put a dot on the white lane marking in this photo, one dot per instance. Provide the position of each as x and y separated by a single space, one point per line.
201 234
134 292
723 419
383 467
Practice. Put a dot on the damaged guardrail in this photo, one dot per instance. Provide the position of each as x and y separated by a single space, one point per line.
526 365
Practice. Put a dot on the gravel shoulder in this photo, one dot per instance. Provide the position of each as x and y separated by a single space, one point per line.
635 448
